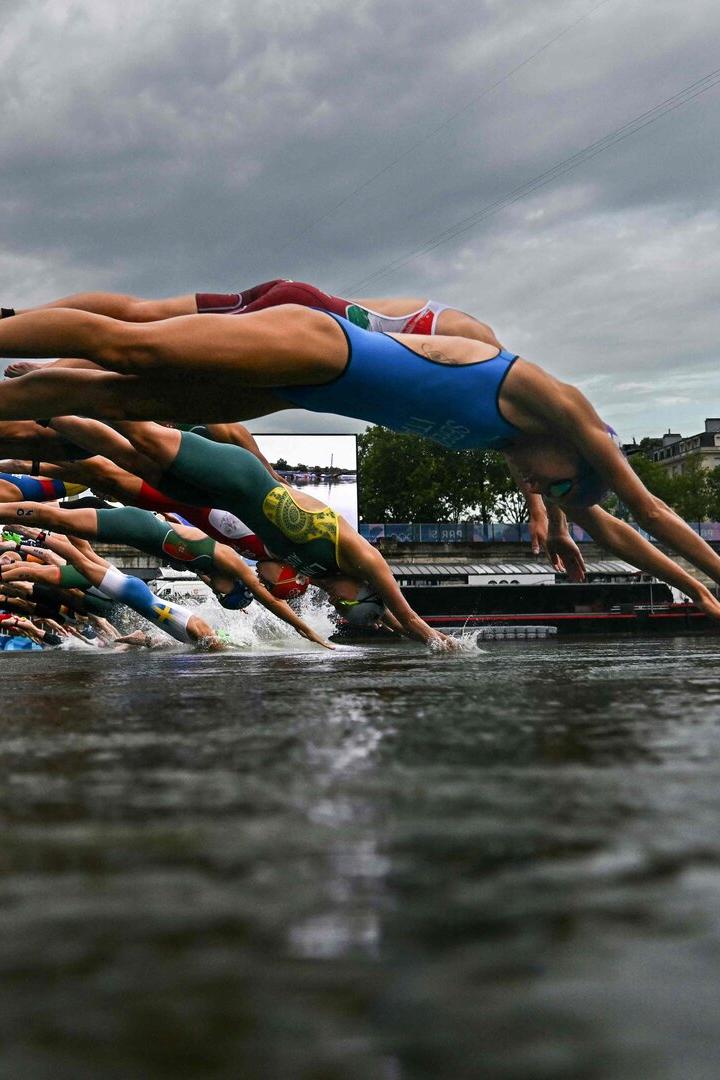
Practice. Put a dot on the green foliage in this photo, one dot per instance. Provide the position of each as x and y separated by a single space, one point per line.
655 477
694 493
691 491
713 489
408 478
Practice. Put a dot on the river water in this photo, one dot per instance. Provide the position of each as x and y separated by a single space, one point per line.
380 863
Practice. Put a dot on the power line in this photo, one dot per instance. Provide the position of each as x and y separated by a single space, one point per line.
435 131
650 116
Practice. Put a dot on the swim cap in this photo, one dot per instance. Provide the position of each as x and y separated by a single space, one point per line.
238 598
289 585
366 608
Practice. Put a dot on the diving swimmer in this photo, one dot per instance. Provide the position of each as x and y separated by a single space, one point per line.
460 392
231 579
409 315
180 623
295 529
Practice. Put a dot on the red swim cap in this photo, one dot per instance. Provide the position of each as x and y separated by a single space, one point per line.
289 585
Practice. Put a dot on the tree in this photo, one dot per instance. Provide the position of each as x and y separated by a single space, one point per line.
407 478
655 477
692 491
712 484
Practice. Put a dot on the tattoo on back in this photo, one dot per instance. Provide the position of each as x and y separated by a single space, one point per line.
436 355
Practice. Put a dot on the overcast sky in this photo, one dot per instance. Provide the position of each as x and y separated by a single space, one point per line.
310 450
161 147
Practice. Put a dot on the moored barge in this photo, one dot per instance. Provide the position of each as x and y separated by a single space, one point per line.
616 598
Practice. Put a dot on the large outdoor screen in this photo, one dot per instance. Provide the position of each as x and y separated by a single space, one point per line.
324 466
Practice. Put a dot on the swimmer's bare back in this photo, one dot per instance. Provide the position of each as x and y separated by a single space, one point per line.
443 349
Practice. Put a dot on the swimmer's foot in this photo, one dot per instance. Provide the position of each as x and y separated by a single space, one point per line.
22 367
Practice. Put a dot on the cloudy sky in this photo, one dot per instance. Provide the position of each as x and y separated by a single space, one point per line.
158 148
310 450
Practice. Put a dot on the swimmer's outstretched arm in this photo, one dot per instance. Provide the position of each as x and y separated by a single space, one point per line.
543 403
363 561
625 542
227 562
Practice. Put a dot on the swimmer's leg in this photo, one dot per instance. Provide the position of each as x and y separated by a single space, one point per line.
49 393
99 438
289 344
36 515
146 532
111 396
121 306
115 306
198 471
177 621
133 309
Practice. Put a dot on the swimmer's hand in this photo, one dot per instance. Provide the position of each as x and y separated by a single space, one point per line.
317 639
565 556
42 555
707 603
538 524
443 642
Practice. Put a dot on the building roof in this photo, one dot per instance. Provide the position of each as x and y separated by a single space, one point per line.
609 567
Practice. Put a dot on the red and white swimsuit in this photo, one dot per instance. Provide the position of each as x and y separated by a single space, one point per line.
282 291
219 525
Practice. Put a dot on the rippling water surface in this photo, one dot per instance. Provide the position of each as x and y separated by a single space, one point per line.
379 863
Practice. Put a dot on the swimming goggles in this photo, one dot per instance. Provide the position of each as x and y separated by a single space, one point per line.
370 597
559 488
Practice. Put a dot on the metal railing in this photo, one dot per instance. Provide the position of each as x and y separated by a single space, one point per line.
499 532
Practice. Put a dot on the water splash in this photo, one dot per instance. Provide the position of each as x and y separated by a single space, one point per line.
255 627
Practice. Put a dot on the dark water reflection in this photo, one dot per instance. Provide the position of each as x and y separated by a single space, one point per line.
366 865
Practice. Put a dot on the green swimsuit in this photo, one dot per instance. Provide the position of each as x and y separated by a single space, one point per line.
230 477
146 532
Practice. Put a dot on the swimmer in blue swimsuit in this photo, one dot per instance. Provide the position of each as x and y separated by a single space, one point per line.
461 392
16 487
406 315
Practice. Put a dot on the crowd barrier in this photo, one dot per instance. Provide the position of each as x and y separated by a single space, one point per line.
499 532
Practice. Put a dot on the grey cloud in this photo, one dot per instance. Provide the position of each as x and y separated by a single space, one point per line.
162 148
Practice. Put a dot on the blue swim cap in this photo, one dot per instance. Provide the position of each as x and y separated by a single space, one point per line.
239 597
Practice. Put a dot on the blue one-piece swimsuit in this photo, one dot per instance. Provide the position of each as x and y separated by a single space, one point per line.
387 383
